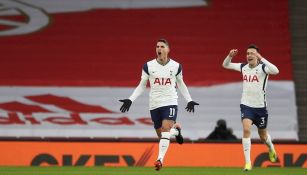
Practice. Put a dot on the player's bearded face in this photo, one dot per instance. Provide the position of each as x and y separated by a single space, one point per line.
162 50
251 57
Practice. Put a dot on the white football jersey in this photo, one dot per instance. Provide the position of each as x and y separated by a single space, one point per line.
162 79
254 85
254 80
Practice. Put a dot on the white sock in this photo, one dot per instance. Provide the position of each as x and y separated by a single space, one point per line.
269 143
174 132
246 142
163 145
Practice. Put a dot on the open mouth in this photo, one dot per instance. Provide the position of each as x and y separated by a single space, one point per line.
159 53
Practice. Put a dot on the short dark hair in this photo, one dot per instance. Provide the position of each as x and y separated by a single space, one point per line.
163 41
253 46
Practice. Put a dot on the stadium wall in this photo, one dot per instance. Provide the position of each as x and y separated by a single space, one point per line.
21 153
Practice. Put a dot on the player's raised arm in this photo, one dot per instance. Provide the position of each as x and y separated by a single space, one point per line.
269 67
136 93
227 61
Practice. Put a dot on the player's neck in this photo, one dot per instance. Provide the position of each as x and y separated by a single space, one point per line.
252 65
163 61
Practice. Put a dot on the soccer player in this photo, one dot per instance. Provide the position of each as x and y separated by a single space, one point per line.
253 102
163 74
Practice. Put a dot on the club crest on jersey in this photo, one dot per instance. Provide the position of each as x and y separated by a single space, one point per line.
162 81
250 78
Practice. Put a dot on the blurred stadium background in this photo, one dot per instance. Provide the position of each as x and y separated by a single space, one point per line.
66 63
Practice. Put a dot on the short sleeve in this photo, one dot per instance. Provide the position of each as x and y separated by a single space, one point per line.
145 72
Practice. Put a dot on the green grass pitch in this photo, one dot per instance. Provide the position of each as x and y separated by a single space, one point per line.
146 171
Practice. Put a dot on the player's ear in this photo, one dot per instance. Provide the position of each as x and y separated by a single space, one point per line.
167 49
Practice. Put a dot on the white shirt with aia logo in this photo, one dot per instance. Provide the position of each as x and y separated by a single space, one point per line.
254 85
254 81
163 80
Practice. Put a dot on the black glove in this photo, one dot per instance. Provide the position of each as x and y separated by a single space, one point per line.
190 106
125 107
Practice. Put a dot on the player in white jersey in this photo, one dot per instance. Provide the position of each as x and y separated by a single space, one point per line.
253 102
164 74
